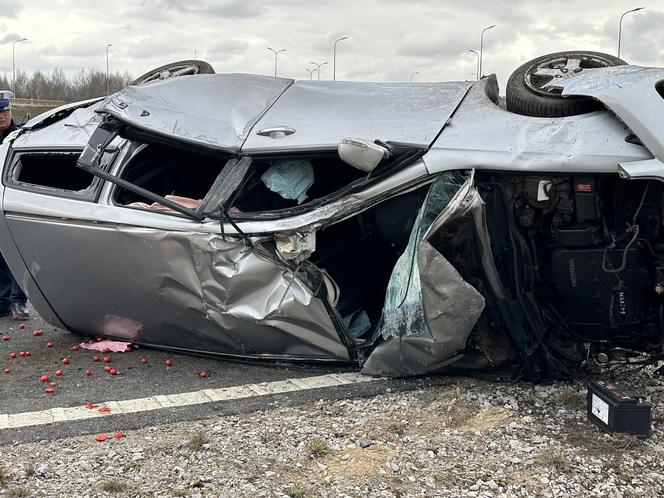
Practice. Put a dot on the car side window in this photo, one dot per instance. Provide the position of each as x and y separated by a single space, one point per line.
53 173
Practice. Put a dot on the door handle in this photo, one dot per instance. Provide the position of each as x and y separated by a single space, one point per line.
276 132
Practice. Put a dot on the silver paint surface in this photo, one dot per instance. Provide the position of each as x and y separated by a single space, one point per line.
484 136
211 110
186 290
322 113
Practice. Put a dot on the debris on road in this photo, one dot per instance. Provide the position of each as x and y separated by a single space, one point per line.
108 346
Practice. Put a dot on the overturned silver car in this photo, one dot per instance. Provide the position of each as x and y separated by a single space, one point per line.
404 228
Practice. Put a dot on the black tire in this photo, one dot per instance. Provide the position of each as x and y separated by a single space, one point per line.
527 91
174 69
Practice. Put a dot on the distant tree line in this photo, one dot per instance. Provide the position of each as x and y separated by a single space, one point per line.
85 84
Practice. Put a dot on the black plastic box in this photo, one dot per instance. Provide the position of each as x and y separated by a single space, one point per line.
618 408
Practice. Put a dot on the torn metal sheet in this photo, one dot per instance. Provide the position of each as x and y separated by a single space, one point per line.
210 110
429 309
188 291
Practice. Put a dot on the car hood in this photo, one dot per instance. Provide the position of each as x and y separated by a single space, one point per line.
232 111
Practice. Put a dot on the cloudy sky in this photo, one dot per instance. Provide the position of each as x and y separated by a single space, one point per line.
388 39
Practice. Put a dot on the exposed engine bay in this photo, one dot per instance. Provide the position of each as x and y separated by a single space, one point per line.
585 254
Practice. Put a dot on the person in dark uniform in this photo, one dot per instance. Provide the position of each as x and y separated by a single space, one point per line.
12 299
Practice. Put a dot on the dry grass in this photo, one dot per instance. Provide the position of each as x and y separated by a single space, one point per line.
555 460
572 400
113 486
197 440
317 448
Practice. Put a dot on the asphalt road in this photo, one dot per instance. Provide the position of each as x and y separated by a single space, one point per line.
22 390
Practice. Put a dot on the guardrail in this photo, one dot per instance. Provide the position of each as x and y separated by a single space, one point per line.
36 102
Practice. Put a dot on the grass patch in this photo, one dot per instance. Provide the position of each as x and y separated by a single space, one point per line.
555 460
30 470
4 475
17 492
317 448
296 492
572 399
197 440
198 484
114 486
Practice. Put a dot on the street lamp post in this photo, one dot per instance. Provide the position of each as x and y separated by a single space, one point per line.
334 57
311 72
620 25
413 74
318 65
477 70
482 47
108 84
276 53
14 62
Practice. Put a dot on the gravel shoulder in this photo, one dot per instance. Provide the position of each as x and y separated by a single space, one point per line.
452 437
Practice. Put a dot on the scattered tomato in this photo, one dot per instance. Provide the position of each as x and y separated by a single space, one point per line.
118 434
96 358
37 333
58 373
107 359
22 354
5 337
104 409
12 355
44 378
21 326
90 406
101 437
66 360
88 372
203 374
49 390
8 370
144 359
113 371
53 384
107 368
169 362
49 344
75 347
28 353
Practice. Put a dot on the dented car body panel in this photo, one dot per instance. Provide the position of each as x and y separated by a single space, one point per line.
451 252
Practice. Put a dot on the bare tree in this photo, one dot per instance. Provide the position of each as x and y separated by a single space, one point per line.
85 84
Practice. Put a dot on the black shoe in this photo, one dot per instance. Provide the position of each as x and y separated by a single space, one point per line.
20 311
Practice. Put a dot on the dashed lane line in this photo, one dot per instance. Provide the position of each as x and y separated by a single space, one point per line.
161 402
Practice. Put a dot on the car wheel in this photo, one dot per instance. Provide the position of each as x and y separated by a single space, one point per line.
174 69
530 89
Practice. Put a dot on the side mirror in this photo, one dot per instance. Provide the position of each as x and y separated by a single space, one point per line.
362 154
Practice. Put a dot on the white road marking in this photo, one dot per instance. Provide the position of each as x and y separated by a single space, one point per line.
160 402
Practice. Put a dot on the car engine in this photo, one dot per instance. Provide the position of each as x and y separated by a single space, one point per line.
590 251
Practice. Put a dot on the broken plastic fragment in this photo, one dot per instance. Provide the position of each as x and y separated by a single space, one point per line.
290 179
105 346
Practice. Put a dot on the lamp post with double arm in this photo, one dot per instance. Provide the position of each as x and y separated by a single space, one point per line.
276 54
318 65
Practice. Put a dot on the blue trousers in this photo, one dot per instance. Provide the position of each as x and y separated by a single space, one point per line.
10 292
